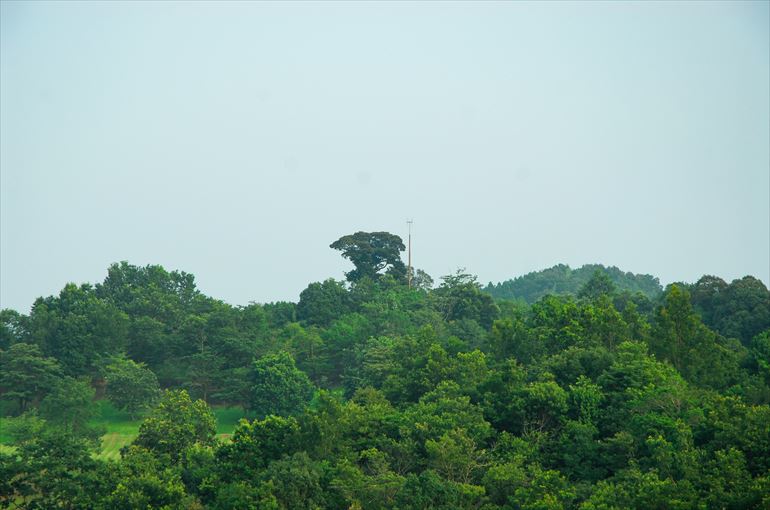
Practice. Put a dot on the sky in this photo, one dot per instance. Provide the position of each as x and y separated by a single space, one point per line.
236 141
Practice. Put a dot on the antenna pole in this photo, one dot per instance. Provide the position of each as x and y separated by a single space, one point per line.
409 257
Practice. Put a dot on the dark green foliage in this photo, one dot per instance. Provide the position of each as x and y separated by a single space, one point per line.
255 444
561 279
321 303
69 407
52 470
236 495
296 482
143 481
740 309
78 329
26 375
281 313
680 337
278 387
459 297
13 328
372 253
760 354
598 285
151 291
131 386
429 490
598 397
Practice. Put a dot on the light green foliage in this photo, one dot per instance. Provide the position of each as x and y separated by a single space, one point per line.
369 482
585 398
176 424
545 405
150 291
455 456
516 486
23 427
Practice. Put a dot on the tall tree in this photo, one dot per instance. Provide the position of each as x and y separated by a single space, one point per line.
372 253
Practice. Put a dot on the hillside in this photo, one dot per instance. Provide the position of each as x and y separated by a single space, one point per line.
563 280
369 393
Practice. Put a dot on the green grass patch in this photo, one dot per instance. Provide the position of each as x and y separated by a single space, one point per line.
121 429
114 420
4 438
228 418
112 442
7 449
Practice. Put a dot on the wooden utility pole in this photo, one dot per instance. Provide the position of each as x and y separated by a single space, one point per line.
409 257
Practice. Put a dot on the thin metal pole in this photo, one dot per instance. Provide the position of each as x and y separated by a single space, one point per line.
409 256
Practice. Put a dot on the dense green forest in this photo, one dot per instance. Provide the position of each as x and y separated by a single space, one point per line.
586 389
561 280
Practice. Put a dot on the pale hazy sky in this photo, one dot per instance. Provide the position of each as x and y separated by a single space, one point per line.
237 140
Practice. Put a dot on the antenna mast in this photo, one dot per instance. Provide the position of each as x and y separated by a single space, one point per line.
409 256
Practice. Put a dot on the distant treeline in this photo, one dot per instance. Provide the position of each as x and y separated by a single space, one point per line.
387 392
561 280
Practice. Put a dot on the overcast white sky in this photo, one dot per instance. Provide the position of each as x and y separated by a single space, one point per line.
237 140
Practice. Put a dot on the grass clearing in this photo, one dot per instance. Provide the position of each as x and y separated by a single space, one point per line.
121 429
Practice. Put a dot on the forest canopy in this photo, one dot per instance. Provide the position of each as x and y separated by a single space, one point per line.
563 280
562 389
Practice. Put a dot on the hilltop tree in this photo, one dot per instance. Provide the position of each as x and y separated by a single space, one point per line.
599 284
372 253
459 297
77 328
